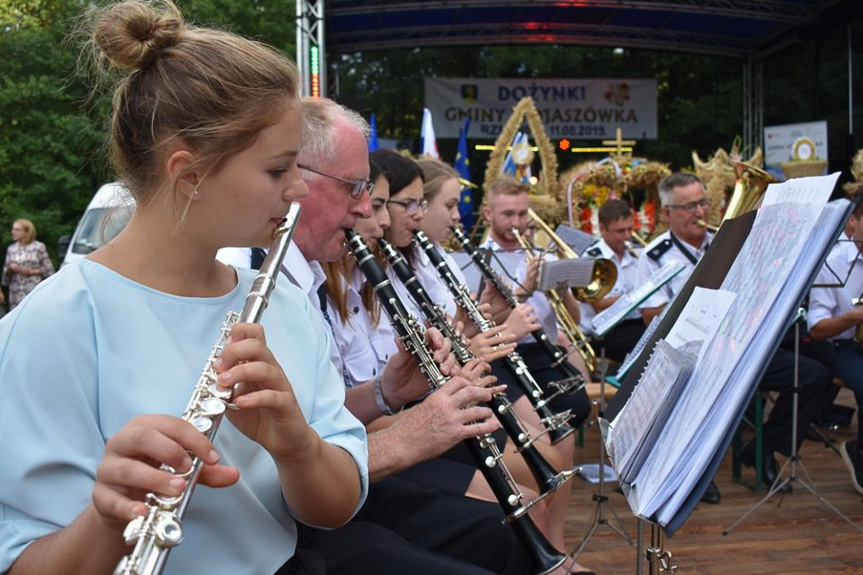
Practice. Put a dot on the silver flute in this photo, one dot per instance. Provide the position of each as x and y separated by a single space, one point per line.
161 529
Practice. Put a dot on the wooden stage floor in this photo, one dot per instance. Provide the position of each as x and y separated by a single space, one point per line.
796 534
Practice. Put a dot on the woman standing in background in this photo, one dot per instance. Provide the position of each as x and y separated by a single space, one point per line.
27 262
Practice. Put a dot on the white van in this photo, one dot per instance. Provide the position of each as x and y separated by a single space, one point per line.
105 217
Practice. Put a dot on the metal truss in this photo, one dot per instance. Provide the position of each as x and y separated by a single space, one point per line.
310 33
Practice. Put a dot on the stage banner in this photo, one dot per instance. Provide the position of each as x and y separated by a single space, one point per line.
569 108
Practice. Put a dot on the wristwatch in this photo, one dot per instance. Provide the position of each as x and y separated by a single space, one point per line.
379 398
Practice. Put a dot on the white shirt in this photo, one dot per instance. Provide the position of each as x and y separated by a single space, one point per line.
434 285
364 347
118 349
830 302
667 251
627 280
309 276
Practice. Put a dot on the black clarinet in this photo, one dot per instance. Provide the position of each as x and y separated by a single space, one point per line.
572 379
547 478
555 423
543 557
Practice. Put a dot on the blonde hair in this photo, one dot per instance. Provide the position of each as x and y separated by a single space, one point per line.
29 230
436 174
504 186
209 89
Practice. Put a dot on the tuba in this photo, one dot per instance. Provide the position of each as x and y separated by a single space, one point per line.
750 184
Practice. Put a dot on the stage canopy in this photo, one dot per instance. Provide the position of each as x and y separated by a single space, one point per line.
750 30
720 27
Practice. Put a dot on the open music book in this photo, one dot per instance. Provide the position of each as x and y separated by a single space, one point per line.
637 428
561 274
777 260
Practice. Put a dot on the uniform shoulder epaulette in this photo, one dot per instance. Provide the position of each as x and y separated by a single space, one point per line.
594 252
656 252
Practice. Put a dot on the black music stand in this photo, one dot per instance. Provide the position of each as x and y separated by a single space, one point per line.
608 319
711 273
600 499
794 460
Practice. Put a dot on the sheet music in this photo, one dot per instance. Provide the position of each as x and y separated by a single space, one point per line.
604 321
576 239
768 277
699 321
567 273
650 402
633 355
801 191
693 334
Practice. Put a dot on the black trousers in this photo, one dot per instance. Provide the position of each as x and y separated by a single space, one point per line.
620 340
404 529
814 381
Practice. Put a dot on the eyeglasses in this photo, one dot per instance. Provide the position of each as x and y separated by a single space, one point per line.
411 206
359 187
691 206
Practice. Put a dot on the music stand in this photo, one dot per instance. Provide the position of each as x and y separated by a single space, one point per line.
691 453
600 499
794 460
603 323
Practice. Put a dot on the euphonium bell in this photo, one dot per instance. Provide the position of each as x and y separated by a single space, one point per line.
604 271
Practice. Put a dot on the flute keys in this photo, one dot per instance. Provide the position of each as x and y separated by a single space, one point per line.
169 531
219 392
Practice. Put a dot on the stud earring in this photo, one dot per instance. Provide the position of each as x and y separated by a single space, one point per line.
196 192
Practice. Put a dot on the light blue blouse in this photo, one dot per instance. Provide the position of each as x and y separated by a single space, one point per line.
90 349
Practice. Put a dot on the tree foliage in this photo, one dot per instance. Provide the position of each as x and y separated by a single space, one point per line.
52 137
52 155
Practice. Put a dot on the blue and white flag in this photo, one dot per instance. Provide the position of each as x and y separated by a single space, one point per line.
510 167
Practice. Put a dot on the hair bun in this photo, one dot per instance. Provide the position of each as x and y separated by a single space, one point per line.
132 33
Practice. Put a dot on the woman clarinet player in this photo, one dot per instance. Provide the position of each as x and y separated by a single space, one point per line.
205 133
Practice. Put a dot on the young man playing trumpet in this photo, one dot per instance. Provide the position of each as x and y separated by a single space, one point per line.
506 209
615 229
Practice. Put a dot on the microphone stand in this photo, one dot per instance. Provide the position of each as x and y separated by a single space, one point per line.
794 460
